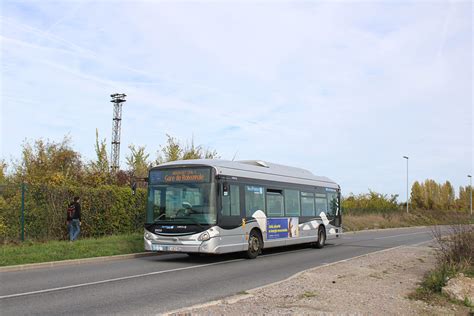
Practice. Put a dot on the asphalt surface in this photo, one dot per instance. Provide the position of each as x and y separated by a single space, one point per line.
151 285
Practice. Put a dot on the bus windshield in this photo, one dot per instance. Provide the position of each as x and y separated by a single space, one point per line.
182 203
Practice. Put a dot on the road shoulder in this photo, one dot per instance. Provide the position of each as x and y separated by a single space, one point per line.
376 283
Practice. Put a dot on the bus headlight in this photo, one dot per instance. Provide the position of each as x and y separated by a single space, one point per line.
204 236
148 236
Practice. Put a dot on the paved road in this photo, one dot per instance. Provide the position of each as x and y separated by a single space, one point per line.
156 284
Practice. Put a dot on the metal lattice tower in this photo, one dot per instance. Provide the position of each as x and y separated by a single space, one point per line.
117 100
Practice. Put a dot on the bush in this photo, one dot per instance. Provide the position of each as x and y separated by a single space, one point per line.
436 279
457 249
455 254
106 210
370 203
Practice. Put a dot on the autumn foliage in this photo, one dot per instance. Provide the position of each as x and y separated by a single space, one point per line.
430 195
53 173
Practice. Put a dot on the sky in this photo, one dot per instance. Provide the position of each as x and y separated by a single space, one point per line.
344 89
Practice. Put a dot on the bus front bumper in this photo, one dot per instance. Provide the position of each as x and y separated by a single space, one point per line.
191 246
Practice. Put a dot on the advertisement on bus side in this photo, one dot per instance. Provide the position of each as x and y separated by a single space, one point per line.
286 227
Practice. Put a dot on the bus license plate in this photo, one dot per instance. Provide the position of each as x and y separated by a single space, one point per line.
164 248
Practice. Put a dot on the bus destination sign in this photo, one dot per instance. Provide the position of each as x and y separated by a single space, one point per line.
180 175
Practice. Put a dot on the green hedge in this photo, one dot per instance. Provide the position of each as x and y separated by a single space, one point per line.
106 210
369 203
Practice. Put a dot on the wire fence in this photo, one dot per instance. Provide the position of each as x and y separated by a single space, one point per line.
38 212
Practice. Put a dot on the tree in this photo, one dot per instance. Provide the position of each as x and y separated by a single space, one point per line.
3 168
432 196
463 202
417 196
173 150
137 161
101 164
197 152
447 197
98 170
49 163
192 151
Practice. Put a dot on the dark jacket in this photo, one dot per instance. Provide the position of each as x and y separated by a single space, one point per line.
77 211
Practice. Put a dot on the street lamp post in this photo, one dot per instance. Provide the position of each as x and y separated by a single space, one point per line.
406 157
470 191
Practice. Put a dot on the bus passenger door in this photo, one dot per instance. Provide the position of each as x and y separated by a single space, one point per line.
233 236
333 208
230 217
338 219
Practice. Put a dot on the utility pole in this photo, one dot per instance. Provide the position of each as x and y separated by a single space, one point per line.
406 157
117 100
23 186
470 191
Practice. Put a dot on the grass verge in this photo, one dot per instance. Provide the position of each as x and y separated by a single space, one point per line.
455 255
35 252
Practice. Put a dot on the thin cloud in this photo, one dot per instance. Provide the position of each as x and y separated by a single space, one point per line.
343 89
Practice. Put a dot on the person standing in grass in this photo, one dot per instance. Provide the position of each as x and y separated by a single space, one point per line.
74 218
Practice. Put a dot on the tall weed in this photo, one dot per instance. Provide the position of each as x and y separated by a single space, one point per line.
456 249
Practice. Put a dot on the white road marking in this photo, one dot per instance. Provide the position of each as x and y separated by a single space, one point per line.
422 243
401 235
283 252
115 279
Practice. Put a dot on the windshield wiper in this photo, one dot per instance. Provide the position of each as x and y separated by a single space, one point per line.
158 218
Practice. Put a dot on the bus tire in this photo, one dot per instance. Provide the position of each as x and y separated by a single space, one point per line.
321 238
255 244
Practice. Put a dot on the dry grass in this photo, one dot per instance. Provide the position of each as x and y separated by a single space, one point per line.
370 221
457 248
455 254
402 219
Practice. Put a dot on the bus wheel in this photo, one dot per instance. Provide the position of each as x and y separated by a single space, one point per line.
255 245
321 238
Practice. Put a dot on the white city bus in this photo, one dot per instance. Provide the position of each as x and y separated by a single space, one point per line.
218 206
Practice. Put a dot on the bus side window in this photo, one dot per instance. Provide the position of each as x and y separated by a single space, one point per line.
307 204
321 204
274 202
231 201
254 199
292 202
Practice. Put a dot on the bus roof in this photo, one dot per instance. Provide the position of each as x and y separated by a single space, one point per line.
256 169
